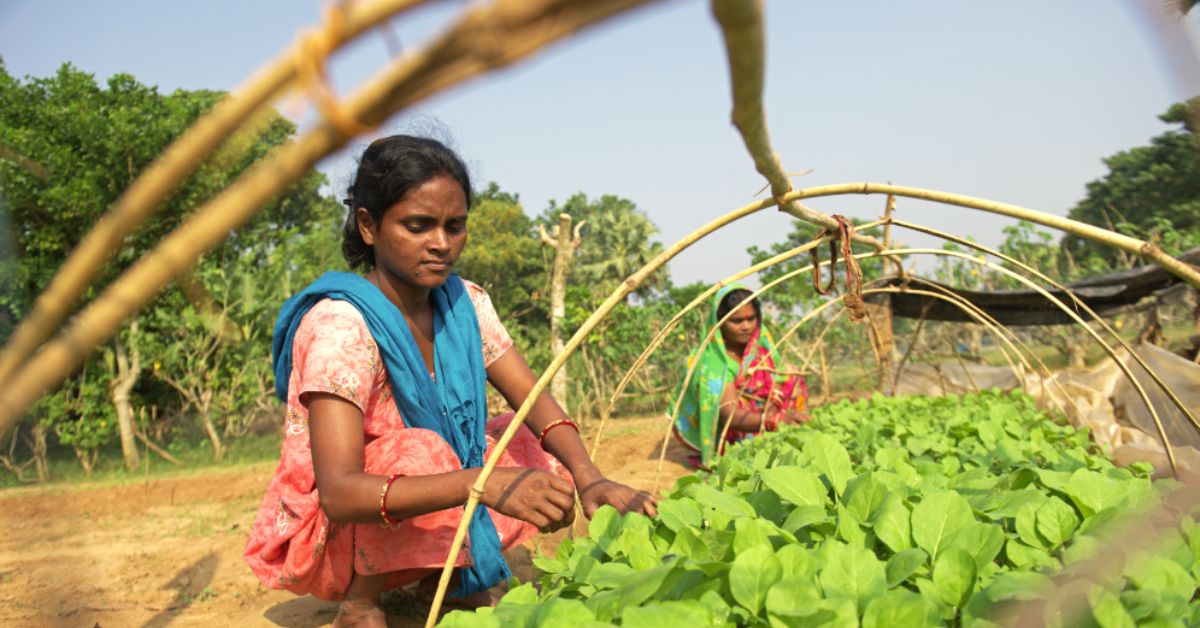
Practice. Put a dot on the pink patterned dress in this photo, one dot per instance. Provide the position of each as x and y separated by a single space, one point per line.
292 545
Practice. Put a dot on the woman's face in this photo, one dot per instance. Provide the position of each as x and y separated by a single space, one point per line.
421 236
740 325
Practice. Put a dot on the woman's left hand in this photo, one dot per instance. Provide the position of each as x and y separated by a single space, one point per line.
623 498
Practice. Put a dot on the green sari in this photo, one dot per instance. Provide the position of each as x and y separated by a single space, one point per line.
697 418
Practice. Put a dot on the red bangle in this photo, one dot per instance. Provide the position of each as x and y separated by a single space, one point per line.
388 522
542 438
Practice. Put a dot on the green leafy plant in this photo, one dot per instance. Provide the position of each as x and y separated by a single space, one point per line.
890 511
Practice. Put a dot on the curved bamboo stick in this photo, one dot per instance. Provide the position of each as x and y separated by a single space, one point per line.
1125 243
1079 321
177 162
1077 301
618 295
484 38
741 23
696 302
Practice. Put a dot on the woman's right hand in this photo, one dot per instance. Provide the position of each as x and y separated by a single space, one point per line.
532 495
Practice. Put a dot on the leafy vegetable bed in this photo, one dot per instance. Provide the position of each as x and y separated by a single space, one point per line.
888 512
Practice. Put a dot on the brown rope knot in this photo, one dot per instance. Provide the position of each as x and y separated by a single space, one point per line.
856 308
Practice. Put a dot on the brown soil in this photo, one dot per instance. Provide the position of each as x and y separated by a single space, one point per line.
167 551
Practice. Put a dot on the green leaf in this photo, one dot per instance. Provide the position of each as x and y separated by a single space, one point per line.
605 524
831 459
1155 573
892 524
954 575
903 565
1009 503
750 532
524 594
721 502
848 528
641 585
1094 492
796 485
1026 524
852 573
937 518
796 560
680 513
791 600
804 516
607 576
1107 609
900 608
863 497
1019 585
1056 520
753 574
560 612
1023 556
981 540
662 615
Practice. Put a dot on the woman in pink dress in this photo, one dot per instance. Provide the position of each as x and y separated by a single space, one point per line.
384 377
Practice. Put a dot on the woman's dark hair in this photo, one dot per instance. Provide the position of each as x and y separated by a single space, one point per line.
388 169
731 300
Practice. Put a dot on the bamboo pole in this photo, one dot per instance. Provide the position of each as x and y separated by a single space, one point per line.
172 168
484 38
741 23
1122 242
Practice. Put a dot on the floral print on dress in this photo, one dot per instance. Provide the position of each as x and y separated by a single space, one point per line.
292 545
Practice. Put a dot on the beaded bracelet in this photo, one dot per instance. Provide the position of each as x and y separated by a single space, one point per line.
542 438
388 522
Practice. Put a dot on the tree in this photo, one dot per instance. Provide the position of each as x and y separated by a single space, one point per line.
70 147
1149 191
616 243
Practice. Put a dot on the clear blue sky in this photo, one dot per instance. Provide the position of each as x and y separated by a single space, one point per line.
1015 101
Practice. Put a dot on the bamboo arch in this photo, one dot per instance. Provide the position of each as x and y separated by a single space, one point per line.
485 37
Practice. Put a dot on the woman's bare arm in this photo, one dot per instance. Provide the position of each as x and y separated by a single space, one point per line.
350 495
511 375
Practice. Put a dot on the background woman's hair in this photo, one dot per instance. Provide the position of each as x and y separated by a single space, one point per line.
733 298
387 170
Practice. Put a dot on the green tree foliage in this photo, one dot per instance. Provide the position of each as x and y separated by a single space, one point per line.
70 147
617 240
1149 191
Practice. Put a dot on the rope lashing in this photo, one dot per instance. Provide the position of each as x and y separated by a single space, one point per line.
856 308
311 52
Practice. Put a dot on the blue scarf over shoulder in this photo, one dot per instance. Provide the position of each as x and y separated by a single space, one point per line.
454 406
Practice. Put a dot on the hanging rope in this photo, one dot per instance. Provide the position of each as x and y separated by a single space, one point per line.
856 308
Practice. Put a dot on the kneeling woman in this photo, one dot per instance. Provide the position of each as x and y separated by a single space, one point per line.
735 389
384 377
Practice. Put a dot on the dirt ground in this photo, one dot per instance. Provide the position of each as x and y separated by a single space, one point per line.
168 551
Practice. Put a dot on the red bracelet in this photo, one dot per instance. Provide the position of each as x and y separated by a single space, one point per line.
542 438
388 522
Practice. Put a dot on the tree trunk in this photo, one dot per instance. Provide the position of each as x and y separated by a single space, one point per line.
879 313
41 461
209 428
564 245
129 367
87 458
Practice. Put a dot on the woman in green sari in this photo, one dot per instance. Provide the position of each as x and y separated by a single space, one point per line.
735 381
